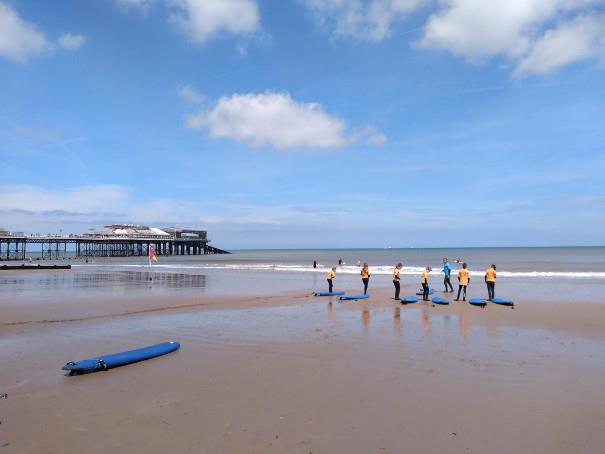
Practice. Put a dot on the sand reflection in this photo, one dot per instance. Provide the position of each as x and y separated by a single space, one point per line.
331 311
463 327
365 319
425 321
397 320
102 281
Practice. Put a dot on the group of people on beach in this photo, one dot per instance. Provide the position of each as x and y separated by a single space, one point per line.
464 279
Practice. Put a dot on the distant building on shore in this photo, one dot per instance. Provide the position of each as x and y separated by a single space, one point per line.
127 231
134 231
6 232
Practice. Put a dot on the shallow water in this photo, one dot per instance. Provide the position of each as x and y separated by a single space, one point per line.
556 263
417 336
558 274
116 281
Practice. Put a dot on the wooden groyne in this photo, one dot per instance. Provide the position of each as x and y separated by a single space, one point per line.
35 267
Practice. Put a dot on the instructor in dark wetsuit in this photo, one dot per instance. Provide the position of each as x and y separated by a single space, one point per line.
447 271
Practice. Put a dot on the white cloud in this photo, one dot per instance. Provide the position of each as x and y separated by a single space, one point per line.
38 209
135 4
18 39
275 119
82 199
42 210
76 209
536 36
517 29
204 19
71 42
374 137
363 19
570 42
191 95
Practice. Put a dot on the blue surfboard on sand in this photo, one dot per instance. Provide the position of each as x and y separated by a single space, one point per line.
477 302
503 302
431 291
353 297
409 300
329 293
439 300
120 359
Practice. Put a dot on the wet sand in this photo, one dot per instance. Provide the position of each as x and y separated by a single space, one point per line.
294 373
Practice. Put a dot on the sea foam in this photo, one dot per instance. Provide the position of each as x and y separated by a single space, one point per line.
348 269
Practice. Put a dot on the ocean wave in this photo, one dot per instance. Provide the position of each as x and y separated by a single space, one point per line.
385 270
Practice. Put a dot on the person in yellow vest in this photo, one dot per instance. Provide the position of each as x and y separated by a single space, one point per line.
424 280
396 279
365 277
490 280
330 276
464 278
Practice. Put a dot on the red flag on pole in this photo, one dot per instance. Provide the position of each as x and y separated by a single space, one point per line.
152 254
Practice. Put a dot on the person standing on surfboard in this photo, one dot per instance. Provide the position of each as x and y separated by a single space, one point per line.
490 280
330 276
365 278
424 280
447 271
464 278
396 280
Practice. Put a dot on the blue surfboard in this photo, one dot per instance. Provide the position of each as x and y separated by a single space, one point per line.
439 300
503 301
120 359
431 291
329 293
477 302
409 300
354 297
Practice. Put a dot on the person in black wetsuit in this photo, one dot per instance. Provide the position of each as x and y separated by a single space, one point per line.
490 280
425 283
396 280
331 274
464 278
365 277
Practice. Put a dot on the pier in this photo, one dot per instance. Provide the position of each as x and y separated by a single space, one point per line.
112 241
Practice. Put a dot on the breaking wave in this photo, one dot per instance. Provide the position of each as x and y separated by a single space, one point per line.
346 269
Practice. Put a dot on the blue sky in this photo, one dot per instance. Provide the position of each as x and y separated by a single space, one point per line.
307 123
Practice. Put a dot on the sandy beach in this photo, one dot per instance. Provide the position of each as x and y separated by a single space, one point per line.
289 372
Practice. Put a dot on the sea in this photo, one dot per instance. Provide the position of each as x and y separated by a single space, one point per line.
557 273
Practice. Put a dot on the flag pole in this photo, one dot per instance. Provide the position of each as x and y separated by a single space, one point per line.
149 249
